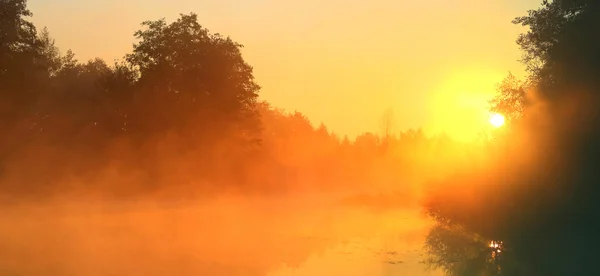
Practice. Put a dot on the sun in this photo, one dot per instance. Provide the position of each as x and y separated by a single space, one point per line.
497 120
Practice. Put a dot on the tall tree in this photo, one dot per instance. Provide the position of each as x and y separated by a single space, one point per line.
544 205
190 77
25 60
387 123
561 46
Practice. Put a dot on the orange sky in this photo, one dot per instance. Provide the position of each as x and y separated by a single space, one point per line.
341 62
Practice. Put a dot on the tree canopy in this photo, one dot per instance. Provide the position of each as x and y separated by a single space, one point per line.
182 111
199 77
179 113
540 196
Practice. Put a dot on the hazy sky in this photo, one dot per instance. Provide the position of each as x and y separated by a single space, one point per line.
341 62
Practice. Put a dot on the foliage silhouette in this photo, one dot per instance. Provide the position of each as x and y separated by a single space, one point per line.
177 116
540 197
195 77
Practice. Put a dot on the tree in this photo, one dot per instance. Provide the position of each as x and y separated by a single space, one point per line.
26 61
539 197
118 88
387 123
76 102
191 79
17 35
560 48
510 100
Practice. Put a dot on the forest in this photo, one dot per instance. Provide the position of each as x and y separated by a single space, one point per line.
180 116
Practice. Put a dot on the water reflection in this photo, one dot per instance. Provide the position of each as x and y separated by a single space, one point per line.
394 250
227 236
456 251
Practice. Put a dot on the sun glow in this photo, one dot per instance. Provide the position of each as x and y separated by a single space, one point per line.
497 120
459 105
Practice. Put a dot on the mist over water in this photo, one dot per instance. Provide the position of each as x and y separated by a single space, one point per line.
168 162
229 235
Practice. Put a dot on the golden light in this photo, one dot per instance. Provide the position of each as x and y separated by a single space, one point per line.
459 104
497 120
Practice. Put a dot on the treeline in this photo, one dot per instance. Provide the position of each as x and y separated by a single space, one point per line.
534 209
181 112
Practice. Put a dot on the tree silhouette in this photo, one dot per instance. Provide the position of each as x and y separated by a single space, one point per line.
190 77
511 98
387 123
26 62
560 48
544 207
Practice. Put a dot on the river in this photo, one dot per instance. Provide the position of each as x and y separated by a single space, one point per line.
228 235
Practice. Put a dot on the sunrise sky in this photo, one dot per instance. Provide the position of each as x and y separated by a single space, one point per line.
341 62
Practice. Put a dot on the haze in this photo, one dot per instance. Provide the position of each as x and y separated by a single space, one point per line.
344 138
435 63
